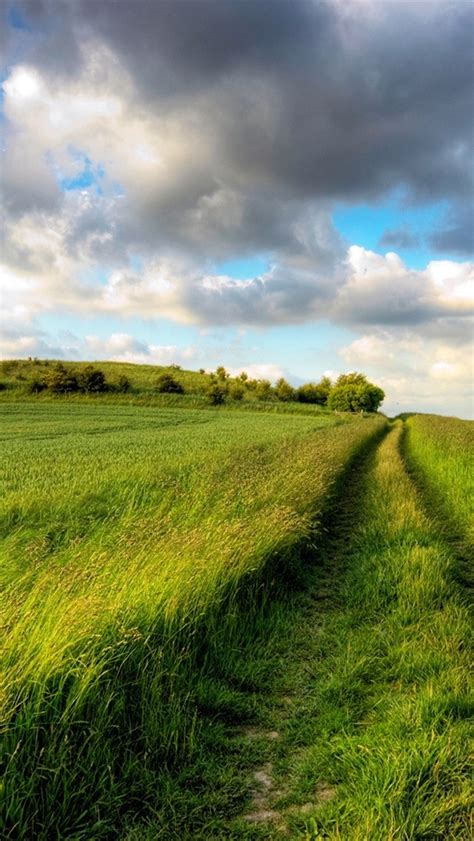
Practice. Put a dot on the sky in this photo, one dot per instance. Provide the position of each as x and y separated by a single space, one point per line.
277 186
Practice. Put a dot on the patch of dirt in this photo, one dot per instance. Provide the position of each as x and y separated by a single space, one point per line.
252 732
324 792
260 792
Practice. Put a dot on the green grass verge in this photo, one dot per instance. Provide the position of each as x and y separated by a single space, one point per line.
134 544
362 677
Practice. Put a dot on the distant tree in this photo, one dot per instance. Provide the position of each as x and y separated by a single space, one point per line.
310 393
284 391
167 384
325 386
236 391
37 385
354 393
202 371
92 380
243 376
263 390
221 373
61 380
352 378
175 367
216 394
123 384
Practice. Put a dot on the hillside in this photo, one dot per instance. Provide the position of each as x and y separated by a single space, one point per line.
230 624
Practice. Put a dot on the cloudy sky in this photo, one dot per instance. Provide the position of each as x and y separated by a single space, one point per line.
280 186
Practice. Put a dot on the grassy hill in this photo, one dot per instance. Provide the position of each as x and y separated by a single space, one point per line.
17 377
230 624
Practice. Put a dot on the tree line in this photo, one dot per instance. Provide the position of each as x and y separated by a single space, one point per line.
348 393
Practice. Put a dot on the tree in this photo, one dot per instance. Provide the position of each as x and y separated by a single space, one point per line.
167 384
216 394
315 392
92 380
221 373
284 391
263 390
37 385
354 393
123 384
236 391
60 380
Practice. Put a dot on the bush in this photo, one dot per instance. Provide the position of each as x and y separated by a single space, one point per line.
92 380
216 394
221 373
167 384
263 390
123 384
236 391
284 391
315 392
37 385
61 380
353 393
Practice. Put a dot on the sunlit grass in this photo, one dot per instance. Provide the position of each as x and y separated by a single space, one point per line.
441 452
126 532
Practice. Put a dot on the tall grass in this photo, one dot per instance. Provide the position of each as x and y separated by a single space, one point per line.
129 539
441 452
393 700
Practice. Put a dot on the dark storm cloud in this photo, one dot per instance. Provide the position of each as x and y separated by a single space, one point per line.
457 234
321 99
230 128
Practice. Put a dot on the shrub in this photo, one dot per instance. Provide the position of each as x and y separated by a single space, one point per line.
236 391
221 373
353 393
216 394
37 385
92 380
167 384
123 384
315 392
61 380
284 391
263 390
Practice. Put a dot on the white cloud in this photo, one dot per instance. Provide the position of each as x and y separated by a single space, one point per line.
260 371
122 347
418 374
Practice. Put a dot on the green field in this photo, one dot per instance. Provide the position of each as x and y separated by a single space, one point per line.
171 575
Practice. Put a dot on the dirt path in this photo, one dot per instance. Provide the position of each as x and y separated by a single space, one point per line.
352 674
346 716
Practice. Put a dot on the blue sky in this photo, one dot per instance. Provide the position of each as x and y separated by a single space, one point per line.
290 205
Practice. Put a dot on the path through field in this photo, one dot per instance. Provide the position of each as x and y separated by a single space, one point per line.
347 717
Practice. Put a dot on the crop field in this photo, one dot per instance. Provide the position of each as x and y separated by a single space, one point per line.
178 584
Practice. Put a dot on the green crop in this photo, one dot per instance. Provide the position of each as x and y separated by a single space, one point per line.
129 535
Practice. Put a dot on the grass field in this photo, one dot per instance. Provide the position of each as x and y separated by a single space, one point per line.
171 577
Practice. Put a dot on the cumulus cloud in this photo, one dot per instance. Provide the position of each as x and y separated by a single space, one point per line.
416 372
147 134
381 290
122 347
